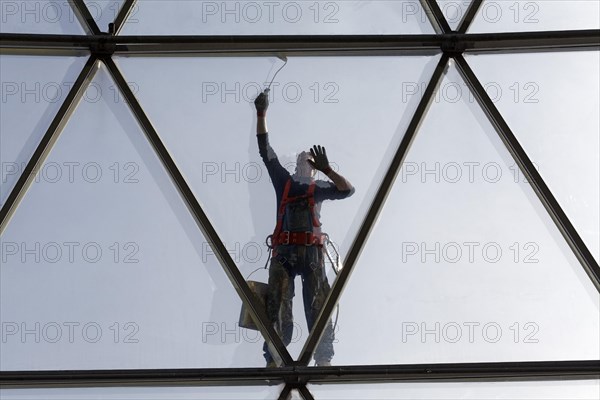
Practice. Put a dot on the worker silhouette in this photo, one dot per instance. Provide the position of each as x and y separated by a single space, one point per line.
297 241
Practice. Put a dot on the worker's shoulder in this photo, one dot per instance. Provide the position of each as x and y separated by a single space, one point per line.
323 184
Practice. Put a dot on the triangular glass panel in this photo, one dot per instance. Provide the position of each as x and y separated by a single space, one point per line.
155 393
295 395
104 11
464 264
541 15
41 16
33 90
357 107
182 17
546 389
454 11
103 265
559 135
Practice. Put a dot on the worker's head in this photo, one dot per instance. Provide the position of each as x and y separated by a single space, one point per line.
303 168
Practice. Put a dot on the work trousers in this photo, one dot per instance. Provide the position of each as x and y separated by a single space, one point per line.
306 261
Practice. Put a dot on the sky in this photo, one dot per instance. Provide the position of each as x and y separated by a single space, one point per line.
103 266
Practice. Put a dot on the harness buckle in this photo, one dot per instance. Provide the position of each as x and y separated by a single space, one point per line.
286 235
309 238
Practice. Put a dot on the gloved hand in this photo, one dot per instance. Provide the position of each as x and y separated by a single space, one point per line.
320 159
262 103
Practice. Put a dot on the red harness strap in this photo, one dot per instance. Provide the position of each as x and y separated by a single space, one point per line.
293 237
281 213
311 204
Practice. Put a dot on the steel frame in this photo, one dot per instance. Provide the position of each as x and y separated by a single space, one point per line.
304 45
436 18
297 376
452 44
469 16
124 12
85 17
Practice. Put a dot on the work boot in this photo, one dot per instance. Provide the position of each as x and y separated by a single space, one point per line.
324 363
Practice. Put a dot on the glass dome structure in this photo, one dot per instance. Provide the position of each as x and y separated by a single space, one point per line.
135 205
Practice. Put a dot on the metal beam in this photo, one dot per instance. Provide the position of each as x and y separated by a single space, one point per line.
84 17
285 392
47 142
529 41
291 385
168 45
124 12
435 16
15 51
299 376
369 220
259 315
469 16
335 50
461 372
310 45
51 44
305 393
534 178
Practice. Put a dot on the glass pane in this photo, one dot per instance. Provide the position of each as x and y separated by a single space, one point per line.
454 11
541 15
203 109
104 11
560 136
181 17
33 89
103 267
546 390
40 16
464 264
149 393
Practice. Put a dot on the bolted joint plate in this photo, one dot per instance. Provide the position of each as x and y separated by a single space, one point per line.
452 46
103 48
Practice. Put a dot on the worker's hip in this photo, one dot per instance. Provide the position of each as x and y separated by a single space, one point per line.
299 259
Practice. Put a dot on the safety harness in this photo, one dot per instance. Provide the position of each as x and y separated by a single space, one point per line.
308 238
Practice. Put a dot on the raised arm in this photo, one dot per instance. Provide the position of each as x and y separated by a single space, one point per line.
339 181
322 164
276 171
261 103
